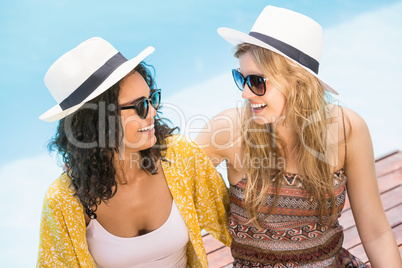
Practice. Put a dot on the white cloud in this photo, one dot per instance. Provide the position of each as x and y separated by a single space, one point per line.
362 61
192 107
23 186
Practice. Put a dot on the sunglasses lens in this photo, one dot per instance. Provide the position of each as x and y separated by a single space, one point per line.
256 84
142 109
156 99
238 78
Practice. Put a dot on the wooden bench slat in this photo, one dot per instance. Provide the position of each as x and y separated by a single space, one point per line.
211 244
398 234
352 238
390 163
346 207
359 252
220 258
390 180
347 220
392 198
394 216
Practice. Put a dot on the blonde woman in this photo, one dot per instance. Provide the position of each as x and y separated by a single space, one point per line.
292 156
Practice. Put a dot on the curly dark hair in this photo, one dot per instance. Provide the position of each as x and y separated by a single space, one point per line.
89 139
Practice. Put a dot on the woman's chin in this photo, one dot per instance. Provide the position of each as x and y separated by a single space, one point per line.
145 142
260 120
153 140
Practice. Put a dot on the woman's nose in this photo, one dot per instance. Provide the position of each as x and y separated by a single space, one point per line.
247 93
152 111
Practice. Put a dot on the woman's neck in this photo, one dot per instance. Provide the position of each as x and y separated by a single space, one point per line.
287 133
128 168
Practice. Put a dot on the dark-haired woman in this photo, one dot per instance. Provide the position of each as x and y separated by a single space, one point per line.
135 194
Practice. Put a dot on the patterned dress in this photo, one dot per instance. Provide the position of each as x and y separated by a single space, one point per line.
292 236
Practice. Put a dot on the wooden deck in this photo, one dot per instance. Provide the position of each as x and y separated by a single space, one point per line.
389 173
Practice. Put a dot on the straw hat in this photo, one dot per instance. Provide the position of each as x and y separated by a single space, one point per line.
288 33
84 73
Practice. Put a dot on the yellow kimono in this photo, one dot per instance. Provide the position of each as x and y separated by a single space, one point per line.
197 188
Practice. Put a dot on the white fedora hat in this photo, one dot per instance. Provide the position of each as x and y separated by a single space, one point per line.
288 33
84 73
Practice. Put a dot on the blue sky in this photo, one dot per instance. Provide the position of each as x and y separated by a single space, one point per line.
188 50
361 61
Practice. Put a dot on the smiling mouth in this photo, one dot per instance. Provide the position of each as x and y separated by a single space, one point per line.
150 127
258 106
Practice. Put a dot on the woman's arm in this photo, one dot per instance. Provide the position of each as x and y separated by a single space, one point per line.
211 198
62 240
55 245
220 137
373 227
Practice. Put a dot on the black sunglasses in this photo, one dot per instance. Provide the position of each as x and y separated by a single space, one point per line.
256 83
142 107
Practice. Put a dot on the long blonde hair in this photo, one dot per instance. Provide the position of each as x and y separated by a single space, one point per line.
306 112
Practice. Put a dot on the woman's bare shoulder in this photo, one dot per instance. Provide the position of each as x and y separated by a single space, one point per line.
226 127
221 133
349 121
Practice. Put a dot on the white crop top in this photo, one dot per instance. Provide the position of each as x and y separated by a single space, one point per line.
164 247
